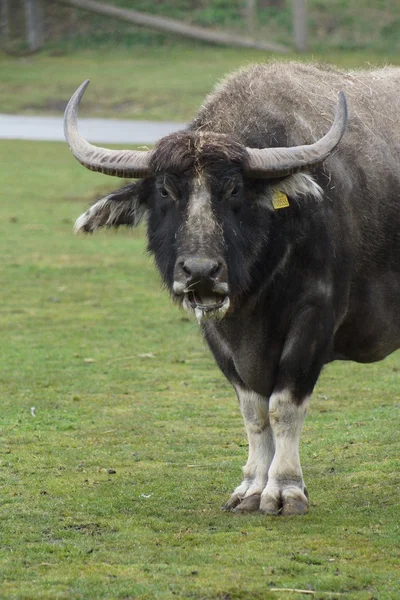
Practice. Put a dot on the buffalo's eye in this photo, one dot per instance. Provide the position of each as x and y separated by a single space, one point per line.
235 191
164 192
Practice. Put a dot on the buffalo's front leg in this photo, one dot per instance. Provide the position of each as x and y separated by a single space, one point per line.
273 479
304 353
285 492
246 497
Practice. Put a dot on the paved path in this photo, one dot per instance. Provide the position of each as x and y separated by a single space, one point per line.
98 131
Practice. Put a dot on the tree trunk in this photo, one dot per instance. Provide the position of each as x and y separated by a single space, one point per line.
34 27
21 25
4 29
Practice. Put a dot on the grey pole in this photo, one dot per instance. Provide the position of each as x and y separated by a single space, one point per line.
300 24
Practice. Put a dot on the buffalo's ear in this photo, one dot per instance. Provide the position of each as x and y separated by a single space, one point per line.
125 206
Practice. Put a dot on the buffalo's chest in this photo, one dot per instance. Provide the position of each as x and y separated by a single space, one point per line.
245 353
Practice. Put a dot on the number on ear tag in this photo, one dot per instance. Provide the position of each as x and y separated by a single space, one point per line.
279 200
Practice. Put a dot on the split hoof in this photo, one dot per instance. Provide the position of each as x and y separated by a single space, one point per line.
287 502
294 506
232 503
249 504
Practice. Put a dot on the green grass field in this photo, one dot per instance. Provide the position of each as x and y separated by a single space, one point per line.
120 439
143 83
112 488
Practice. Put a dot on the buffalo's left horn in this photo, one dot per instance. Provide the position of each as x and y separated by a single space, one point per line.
279 162
120 163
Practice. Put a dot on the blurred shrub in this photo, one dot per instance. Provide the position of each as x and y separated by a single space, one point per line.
347 24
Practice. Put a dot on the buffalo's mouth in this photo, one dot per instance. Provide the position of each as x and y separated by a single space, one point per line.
206 303
206 306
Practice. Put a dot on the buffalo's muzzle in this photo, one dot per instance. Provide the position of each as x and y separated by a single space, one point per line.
202 285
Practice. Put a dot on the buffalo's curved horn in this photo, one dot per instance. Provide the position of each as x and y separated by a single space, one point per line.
120 163
279 162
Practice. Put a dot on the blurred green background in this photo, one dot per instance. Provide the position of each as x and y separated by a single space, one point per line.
120 438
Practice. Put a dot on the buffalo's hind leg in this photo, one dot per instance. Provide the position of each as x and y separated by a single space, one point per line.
246 497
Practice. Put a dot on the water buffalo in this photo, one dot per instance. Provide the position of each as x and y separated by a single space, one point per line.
277 225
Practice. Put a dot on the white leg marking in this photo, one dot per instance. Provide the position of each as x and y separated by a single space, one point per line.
254 409
285 488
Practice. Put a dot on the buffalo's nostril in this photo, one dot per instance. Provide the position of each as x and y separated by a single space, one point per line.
199 268
215 269
186 269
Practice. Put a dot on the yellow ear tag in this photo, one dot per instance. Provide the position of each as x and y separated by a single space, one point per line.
279 200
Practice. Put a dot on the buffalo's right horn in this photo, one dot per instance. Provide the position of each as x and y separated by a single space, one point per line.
120 163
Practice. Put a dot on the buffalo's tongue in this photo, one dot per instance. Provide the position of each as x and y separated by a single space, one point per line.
208 300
